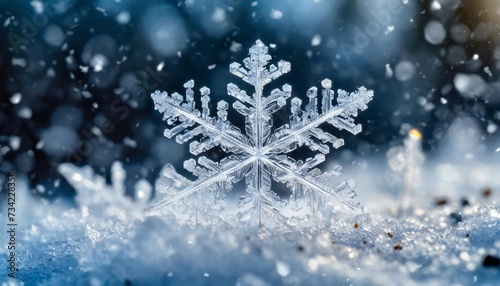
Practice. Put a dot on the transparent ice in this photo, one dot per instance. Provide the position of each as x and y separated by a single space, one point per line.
259 155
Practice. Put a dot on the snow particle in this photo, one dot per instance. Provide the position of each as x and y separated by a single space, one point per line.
282 268
219 15
235 47
470 85
143 191
123 18
98 62
316 40
16 98
276 14
164 30
435 5
25 112
37 6
434 32
14 142
491 128
388 71
59 140
54 36
404 70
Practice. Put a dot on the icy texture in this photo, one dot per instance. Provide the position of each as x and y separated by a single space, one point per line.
107 201
429 244
258 155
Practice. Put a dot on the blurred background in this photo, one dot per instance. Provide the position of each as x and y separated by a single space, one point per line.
76 75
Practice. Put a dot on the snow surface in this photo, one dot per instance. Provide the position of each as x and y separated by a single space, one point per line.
443 238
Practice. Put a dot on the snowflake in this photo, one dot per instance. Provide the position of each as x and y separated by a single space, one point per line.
258 156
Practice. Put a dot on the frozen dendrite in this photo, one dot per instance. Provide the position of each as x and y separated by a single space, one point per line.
407 160
259 155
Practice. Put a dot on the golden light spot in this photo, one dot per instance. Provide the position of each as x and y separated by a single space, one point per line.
415 134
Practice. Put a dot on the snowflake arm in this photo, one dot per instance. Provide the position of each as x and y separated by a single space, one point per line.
303 124
218 176
215 131
302 180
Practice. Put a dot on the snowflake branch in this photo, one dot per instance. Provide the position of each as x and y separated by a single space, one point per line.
314 186
214 128
339 116
199 185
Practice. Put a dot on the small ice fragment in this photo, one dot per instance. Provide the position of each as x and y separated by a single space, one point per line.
98 62
129 142
84 69
7 21
14 142
160 66
488 71
435 5
16 98
86 94
388 71
211 67
235 47
40 189
389 29
37 6
443 100
101 9
316 40
39 145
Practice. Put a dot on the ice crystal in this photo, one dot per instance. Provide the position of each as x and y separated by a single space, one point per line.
258 155
107 202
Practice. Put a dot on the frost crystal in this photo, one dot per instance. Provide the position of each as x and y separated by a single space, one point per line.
108 202
258 156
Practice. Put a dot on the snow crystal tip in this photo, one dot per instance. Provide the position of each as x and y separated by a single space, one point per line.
326 83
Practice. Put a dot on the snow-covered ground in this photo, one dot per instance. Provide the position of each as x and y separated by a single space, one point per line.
450 234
